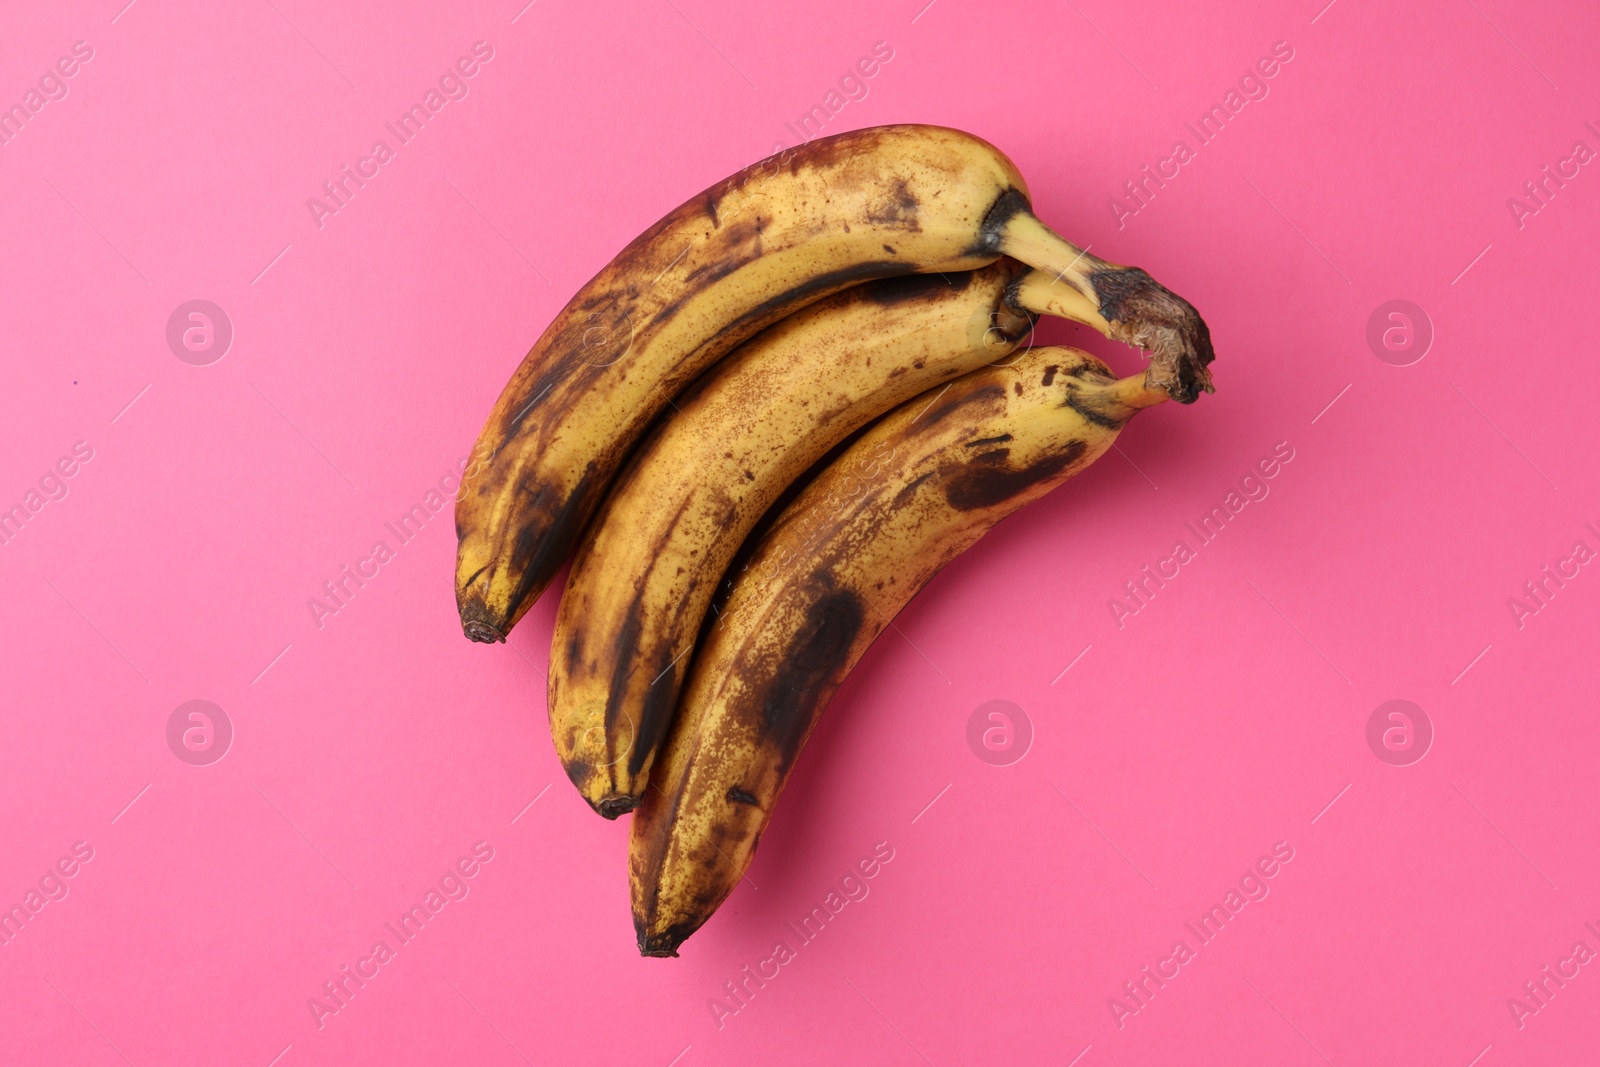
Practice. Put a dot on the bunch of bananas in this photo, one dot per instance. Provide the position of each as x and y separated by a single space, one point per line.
757 432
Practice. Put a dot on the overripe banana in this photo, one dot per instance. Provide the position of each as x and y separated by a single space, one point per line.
747 429
824 581
780 234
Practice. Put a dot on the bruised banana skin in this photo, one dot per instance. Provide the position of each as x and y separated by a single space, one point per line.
824 581
649 566
785 232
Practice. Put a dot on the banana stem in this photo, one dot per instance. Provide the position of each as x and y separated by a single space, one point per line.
1135 393
1111 402
1124 303
1024 237
1043 294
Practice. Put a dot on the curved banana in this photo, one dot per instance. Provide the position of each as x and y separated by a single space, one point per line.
835 567
778 235
676 515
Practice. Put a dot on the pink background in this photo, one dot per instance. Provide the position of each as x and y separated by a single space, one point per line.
1227 715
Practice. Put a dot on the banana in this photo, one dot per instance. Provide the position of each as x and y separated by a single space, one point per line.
641 582
824 581
783 233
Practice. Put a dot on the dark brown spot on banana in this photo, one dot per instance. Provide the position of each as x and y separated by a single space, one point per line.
1007 204
655 715
741 796
655 711
986 482
830 151
545 540
625 646
898 208
810 668
740 245
905 494
578 775
1049 375
914 287
936 414
702 277
1097 409
774 308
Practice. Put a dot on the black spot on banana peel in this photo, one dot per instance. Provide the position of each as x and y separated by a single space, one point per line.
789 635
943 407
991 232
891 291
985 485
1095 408
813 662
755 247
896 207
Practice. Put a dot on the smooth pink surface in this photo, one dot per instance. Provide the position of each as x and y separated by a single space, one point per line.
373 750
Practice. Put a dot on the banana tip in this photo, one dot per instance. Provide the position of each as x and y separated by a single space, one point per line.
613 806
660 947
661 953
478 630
660 943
